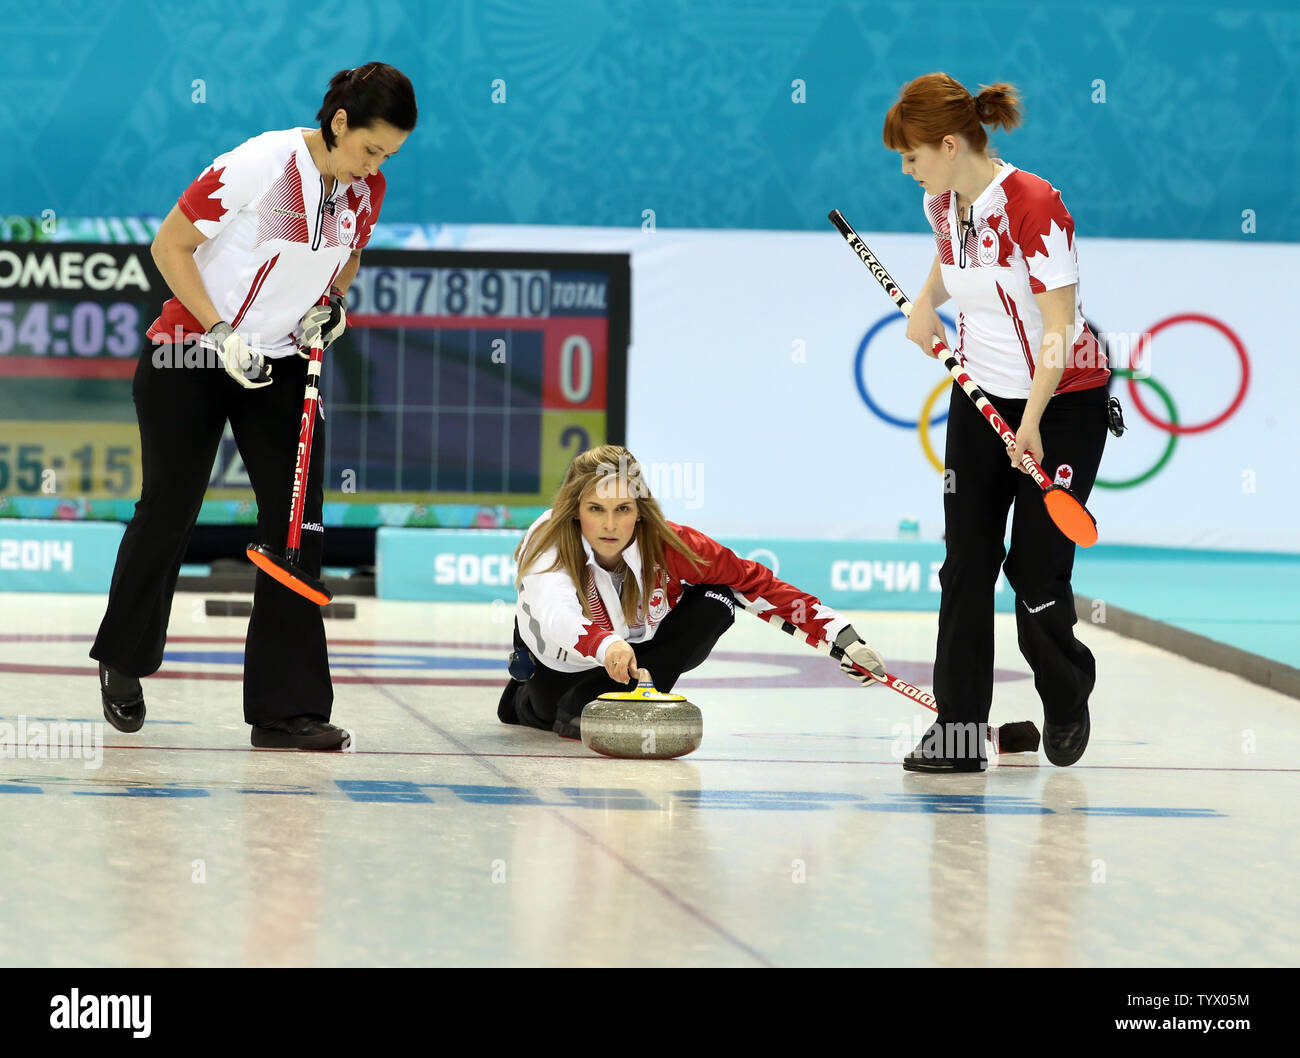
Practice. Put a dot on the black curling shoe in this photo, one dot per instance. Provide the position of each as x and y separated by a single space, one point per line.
301 732
1064 743
949 748
123 699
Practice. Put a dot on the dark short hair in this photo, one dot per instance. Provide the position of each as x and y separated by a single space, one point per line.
372 92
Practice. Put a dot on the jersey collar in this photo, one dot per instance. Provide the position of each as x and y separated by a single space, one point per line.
982 201
631 557
308 168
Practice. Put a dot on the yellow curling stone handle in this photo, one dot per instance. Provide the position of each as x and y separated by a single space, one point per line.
641 694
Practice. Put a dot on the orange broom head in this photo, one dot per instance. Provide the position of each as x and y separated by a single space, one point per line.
291 577
1070 516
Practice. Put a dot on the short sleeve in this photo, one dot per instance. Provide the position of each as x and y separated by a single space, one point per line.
231 182
1044 230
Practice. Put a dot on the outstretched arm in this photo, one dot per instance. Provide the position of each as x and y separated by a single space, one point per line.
761 591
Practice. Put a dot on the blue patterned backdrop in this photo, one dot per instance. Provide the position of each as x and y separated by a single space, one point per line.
685 108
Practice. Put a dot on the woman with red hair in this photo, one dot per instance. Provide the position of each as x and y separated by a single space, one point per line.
1006 254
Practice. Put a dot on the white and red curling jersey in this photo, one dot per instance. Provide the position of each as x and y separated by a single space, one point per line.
562 637
1021 244
275 239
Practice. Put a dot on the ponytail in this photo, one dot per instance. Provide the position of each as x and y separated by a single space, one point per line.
998 105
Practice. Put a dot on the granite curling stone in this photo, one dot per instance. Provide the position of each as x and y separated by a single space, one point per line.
643 724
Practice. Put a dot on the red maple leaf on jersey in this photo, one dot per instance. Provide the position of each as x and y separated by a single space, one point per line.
592 636
1048 229
201 196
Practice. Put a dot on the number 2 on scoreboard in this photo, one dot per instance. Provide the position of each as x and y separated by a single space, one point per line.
576 434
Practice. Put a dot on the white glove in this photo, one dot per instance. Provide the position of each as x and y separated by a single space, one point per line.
856 652
246 366
324 322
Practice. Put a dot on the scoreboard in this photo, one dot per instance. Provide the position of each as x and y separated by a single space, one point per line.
462 388
473 379
73 318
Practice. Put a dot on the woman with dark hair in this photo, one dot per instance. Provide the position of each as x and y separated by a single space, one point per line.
1006 254
610 592
259 253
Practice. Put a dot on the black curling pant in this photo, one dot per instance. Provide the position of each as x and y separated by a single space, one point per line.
981 485
182 413
553 700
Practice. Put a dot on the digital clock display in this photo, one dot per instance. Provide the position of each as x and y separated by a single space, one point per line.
82 328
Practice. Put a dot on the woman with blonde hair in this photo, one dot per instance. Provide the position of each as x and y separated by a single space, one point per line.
611 593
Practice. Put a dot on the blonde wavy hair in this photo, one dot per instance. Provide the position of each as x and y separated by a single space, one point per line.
610 466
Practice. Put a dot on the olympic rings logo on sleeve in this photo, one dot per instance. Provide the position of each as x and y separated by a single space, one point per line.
1170 424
